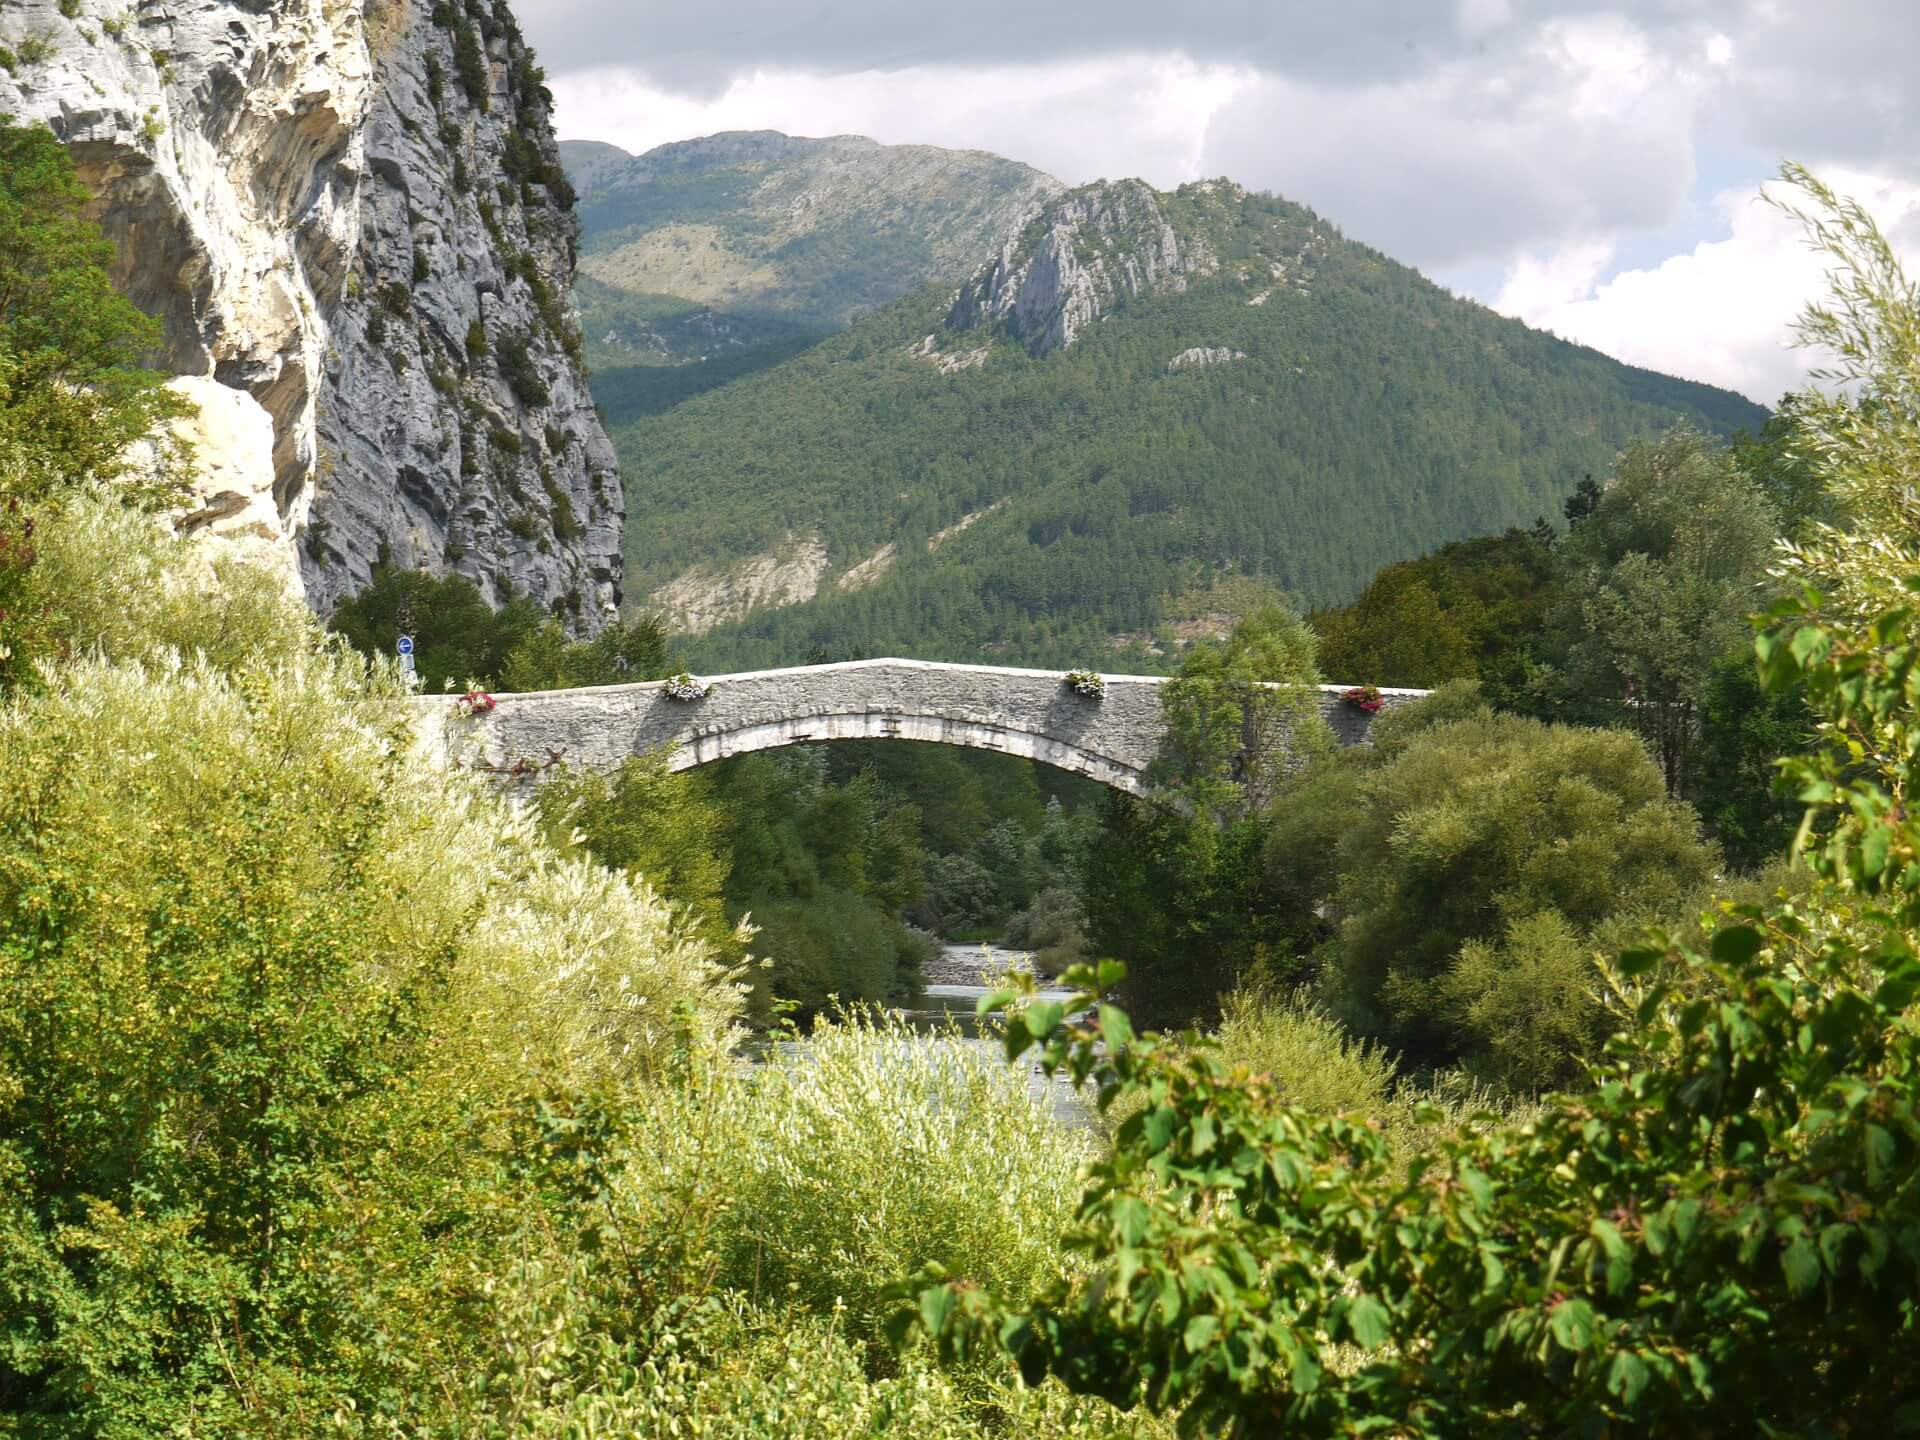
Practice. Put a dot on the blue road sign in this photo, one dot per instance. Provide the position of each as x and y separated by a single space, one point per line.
406 644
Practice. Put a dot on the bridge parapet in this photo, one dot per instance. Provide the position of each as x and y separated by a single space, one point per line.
1029 713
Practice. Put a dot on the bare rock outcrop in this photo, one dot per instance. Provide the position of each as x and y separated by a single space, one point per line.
349 214
1084 251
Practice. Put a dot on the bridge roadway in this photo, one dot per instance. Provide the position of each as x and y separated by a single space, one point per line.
1030 713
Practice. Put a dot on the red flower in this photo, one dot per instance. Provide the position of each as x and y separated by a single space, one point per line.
478 702
1364 697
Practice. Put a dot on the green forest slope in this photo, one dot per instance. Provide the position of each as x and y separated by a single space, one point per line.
1359 415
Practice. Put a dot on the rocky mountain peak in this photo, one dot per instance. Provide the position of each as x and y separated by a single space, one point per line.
1083 252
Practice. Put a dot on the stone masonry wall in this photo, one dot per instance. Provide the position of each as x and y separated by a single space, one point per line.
1030 713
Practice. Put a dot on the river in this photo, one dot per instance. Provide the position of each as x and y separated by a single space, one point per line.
955 980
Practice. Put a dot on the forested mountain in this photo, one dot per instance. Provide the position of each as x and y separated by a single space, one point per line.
705 260
1140 393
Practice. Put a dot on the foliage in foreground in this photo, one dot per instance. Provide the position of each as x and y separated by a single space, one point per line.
272 988
1719 1233
738 1228
74 394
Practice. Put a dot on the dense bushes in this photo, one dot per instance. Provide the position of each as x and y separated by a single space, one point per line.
1499 830
874 1150
268 982
457 636
744 1226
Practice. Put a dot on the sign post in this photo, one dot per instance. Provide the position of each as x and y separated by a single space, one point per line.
406 658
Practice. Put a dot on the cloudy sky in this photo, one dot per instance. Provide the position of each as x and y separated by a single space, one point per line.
1592 168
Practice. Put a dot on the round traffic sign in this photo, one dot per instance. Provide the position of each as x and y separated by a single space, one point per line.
406 644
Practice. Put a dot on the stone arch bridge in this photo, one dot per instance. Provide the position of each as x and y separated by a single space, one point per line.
1030 713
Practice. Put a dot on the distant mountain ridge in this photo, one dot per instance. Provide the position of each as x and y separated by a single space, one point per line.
1136 394
814 231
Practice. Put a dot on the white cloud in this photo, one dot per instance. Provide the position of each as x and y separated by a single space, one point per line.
1540 285
1465 165
1080 120
1723 312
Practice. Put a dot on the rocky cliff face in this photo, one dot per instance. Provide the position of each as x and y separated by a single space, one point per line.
1084 251
351 216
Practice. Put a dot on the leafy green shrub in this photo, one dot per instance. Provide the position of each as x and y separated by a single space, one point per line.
661 827
961 895
1477 824
1054 928
874 1150
457 636
834 945
73 395
1525 1004
623 653
118 582
736 1371
266 982
522 372
21 619
470 65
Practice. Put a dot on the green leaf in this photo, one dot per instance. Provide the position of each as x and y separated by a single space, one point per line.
1882 1151
1043 1018
1627 1377
1619 1257
1110 974
1017 1039
994 1000
1640 959
1367 1322
1130 1219
1801 1265
1157 1129
1115 1028
1736 945
1809 644
1572 1323
1200 1332
1874 846
936 1307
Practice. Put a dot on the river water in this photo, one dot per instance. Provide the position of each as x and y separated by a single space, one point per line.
955 981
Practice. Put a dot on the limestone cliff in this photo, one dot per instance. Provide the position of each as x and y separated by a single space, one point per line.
1087 249
351 216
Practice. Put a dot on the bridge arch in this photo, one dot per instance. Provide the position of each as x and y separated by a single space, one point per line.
1029 713
708 747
